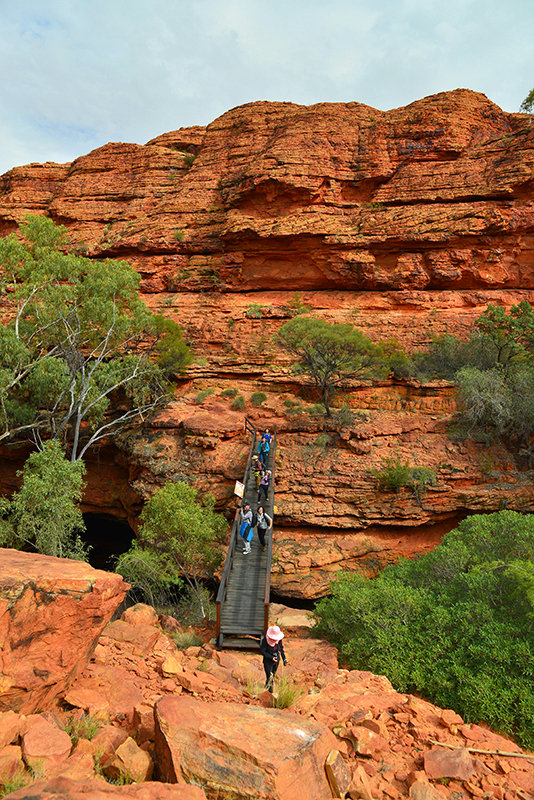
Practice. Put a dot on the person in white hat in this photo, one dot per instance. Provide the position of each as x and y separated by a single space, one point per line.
272 650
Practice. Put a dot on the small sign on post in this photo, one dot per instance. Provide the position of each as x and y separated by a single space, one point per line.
239 489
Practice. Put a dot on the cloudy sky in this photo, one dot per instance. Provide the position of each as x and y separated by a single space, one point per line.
78 73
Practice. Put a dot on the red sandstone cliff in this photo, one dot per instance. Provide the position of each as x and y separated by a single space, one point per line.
405 223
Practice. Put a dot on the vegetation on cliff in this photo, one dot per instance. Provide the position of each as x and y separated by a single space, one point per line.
455 624
329 353
176 543
81 356
494 372
44 514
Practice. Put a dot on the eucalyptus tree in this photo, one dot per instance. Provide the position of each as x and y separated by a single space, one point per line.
81 355
329 353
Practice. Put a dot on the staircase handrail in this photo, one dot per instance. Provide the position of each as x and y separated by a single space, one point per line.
267 594
249 426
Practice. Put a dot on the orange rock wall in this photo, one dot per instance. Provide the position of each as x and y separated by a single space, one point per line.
405 223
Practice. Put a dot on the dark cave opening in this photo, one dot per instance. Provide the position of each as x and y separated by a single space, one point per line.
108 537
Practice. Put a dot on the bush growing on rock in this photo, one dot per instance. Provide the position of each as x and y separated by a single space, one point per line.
395 473
330 353
44 514
239 403
455 625
180 535
258 398
202 395
494 371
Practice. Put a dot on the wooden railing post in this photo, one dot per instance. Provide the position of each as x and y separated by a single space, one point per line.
267 595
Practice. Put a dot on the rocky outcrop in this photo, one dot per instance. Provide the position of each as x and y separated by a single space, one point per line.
52 612
216 726
405 223
252 752
69 789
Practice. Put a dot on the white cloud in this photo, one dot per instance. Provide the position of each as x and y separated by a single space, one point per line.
75 75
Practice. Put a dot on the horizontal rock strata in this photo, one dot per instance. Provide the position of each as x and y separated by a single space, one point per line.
405 223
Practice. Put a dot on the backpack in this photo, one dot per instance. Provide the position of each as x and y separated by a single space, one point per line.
254 520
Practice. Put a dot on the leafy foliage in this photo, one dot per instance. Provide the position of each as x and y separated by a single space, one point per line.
456 624
528 103
147 573
84 727
202 395
255 311
258 398
239 403
395 473
329 353
185 639
177 537
75 356
44 514
494 371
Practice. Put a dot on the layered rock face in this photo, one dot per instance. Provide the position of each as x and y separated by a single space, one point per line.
52 612
405 223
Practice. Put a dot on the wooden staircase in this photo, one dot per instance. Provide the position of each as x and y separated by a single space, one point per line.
244 592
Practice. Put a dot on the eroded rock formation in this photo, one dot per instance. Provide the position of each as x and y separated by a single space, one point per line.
406 223
202 720
52 612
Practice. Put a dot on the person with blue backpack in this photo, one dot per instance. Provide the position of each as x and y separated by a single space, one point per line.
263 451
248 520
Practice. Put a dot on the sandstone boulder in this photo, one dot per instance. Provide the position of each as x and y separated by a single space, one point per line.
449 764
10 762
107 689
250 751
44 746
10 724
130 762
52 612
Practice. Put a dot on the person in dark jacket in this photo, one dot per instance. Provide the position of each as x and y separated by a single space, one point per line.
272 650
264 523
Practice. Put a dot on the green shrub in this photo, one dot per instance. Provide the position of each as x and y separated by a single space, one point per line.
84 727
201 396
293 407
11 782
287 692
186 610
317 410
454 625
239 403
185 639
178 541
255 311
296 306
344 417
394 474
189 160
145 572
179 235
322 441
258 398
229 393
